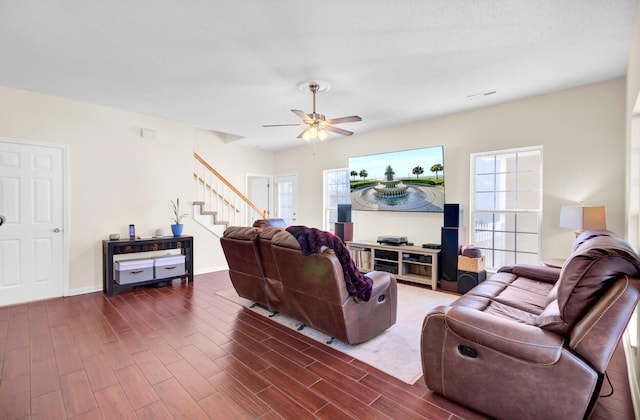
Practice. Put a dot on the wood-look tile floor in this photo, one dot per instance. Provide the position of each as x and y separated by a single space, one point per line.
181 351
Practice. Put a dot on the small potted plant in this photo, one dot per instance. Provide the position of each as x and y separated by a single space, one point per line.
177 226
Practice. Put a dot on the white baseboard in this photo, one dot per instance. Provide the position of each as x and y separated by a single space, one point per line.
98 288
83 290
210 270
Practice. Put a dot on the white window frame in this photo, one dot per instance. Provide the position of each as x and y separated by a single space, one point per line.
328 209
475 237
632 334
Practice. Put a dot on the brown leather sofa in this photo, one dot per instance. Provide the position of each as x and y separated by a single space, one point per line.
266 266
532 341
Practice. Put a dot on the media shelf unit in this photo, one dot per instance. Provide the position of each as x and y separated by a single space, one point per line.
139 246
408 263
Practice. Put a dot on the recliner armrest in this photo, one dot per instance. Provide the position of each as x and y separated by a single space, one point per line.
524 342
533 272
381 281
381 284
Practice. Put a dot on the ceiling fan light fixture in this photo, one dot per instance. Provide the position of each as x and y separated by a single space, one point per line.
306 136
313 132
322 135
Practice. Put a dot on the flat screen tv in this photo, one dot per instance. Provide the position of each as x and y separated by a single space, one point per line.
407 180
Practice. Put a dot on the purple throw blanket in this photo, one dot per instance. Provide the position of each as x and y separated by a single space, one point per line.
311 240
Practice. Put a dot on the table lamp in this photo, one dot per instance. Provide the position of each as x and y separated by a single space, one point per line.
583 218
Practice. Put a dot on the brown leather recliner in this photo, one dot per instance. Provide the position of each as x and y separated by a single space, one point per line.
316 294
240 246
531 341
273 285
252 269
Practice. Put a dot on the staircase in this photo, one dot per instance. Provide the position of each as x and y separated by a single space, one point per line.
218 203
208 218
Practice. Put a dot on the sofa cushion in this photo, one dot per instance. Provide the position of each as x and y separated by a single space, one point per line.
514 290
242 233
508 296
267 233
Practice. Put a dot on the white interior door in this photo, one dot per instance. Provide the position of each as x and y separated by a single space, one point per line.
287 198
31 237
259 192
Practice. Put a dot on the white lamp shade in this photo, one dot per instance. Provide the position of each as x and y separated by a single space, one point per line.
583 217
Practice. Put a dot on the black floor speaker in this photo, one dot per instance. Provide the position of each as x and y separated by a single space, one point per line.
453 215
467 280
452 241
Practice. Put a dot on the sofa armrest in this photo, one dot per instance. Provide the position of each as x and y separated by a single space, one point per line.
533 272
381 281
524 342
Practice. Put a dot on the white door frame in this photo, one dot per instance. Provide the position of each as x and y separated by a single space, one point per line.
65 204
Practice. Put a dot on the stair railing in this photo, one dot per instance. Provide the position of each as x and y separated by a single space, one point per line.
217 196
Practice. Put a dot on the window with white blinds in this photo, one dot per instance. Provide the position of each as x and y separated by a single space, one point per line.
506 205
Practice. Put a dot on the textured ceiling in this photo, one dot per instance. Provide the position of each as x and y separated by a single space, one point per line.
232 66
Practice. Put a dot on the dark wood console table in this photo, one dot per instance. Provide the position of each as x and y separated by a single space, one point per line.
130 246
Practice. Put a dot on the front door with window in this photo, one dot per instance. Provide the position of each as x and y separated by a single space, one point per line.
287 198
31 236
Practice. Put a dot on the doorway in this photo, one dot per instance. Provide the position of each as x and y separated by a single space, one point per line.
259 192
287 198
33 238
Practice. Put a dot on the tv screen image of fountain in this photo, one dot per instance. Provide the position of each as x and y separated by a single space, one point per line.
407 180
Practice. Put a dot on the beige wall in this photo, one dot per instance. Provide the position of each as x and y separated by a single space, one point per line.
581 130
117 177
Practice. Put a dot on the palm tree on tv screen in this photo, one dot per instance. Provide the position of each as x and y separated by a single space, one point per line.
437 168
417 171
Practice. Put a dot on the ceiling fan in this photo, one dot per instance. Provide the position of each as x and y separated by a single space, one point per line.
316 124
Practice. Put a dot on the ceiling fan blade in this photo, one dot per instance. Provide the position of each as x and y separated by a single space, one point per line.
300 114
282 125
352 118
302 133
338 130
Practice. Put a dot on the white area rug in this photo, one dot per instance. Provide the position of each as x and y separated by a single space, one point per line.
397 350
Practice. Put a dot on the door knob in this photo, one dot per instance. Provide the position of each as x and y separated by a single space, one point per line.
2 220
56 230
